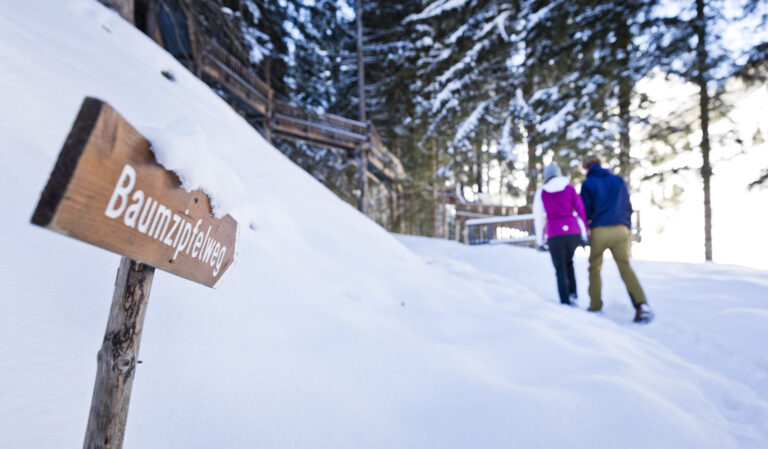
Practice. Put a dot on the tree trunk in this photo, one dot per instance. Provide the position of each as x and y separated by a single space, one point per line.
361 93
360 54
479 167
435 193
486 165
270 99
625 97
530 130
362 161
532 173
706 167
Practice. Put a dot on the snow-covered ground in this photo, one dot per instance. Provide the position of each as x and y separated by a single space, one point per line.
329 332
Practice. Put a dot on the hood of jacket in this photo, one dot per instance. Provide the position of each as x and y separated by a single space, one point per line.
556 184
598 171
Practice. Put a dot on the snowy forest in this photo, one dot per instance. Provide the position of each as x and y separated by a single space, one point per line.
314 161
479 95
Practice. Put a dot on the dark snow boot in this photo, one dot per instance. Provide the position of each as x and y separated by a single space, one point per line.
643 314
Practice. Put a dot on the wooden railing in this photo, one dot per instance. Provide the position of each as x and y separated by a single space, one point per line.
327 121
325 130
479 210
466 209
283 120
217 63
516 229
218 53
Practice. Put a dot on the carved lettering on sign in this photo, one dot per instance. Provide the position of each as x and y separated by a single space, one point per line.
183 236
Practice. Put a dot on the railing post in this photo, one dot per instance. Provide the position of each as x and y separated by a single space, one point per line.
270 99
362 160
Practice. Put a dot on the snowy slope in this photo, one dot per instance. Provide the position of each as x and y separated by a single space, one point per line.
329 332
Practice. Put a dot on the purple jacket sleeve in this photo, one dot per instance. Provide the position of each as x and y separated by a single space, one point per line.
578 205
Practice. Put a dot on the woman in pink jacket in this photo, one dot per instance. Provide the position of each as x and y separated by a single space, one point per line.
559 218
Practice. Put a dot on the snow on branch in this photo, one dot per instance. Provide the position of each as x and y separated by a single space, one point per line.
435 9
497 22
470 123
506 142
467 60
558 120
457 34
447 94
432 130
534 18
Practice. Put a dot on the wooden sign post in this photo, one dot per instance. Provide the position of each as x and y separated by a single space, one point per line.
107 189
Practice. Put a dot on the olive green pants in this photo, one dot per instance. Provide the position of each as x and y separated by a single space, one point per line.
617 239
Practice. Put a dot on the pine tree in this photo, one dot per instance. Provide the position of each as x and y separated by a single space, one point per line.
754 71
318 78
583 61
463 93
693 53
391 50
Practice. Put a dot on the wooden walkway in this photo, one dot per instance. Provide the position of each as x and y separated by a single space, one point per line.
478 223
468 210
516 230
286 121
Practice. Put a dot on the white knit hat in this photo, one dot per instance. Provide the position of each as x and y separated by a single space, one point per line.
550 171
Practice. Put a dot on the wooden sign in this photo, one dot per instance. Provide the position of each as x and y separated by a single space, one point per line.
107 189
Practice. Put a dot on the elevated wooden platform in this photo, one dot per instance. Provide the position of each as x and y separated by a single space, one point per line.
478 223
218 64
468 210
290 122
330 131
515 230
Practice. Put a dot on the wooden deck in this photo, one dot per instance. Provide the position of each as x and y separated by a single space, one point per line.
324 130
286 121
468 210
479 210
227 70
478 223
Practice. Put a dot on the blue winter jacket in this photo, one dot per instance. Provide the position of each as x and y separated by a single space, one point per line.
606 199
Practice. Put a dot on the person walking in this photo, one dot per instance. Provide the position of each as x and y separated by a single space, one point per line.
609 213
554 205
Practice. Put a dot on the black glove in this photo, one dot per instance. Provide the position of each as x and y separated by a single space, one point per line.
543 248
584 242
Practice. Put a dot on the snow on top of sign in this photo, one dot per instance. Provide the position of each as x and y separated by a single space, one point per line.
182 148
